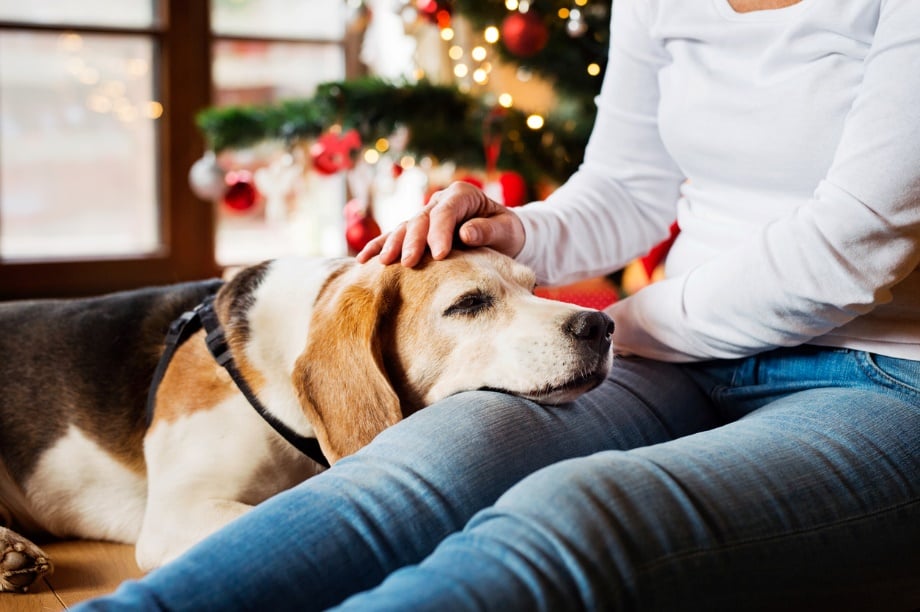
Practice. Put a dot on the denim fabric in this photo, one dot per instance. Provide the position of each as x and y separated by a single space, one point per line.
789 480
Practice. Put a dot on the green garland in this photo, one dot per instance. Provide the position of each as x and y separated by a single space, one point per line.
442 121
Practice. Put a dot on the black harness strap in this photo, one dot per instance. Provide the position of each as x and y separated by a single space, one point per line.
180 330
204 316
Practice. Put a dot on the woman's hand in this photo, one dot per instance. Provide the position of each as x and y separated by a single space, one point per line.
481 222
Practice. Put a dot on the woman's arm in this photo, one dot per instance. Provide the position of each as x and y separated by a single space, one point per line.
622 200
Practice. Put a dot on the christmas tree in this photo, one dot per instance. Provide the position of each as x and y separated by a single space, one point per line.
444 113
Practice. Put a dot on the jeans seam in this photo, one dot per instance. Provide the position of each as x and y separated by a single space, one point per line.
873 371
739 544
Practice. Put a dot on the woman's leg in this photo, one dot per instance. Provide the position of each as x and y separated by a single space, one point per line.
810 502
390 504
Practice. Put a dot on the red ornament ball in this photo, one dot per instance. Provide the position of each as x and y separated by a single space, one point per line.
241 194
524 34
360 225
514 188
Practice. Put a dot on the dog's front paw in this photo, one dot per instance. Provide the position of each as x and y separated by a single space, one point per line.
21 562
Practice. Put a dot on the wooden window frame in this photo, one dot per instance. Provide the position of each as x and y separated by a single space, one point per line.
182 40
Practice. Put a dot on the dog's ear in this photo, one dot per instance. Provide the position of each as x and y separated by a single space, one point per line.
340 378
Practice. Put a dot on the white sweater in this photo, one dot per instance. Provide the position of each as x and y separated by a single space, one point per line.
787 145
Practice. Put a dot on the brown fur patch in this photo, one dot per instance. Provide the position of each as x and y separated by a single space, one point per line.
340 378
193 382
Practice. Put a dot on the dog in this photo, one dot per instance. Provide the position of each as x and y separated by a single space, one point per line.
332 350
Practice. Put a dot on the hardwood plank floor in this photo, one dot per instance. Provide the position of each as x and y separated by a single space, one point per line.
82 570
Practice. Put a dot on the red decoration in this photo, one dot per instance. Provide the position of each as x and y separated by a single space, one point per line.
333 151
241 194
360 226
435 11
472 180
524 34
659 252
514 188
492 136
597 293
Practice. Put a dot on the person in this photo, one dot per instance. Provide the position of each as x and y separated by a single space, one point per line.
757 444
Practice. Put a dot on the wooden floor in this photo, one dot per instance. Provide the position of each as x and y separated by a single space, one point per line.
81 570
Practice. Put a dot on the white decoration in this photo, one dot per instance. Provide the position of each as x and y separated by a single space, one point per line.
207 179
387 51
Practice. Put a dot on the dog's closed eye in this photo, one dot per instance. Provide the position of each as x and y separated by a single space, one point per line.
470 304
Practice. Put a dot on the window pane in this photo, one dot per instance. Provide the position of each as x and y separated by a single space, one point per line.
118 13
77 146
256 72
308 19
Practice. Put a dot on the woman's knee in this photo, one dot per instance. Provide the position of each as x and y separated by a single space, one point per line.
468 422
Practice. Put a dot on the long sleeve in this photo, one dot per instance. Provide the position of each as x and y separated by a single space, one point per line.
779 246
622 199
848 251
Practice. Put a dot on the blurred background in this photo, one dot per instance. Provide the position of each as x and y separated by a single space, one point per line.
145 141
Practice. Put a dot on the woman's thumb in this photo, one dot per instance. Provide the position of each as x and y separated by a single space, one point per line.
477 232
504 233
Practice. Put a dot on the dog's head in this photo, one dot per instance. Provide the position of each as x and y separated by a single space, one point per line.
384 341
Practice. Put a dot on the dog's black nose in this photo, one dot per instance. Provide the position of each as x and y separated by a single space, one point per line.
591 326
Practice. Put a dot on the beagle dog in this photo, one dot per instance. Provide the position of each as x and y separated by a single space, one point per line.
334 351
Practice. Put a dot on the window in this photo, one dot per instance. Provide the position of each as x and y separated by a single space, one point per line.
97 101
97 132
78 171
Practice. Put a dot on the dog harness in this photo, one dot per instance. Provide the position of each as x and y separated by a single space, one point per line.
181 330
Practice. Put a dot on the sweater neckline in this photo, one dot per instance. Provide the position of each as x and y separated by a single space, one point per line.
777 14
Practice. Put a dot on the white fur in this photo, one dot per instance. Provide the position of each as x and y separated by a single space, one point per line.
105 500
233 452
239 460
279 322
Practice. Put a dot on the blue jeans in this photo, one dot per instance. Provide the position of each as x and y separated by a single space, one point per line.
789 480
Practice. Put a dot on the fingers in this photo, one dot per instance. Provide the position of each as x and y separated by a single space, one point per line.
459 202
481 222
415 239
405 244
445 216
373 247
